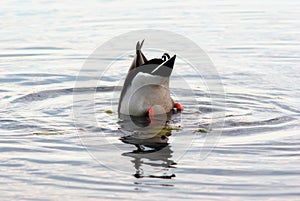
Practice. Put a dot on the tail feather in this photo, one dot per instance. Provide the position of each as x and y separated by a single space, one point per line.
139 58
139 45
142 43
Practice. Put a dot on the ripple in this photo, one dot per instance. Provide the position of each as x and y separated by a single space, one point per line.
47 94
39 48
22 55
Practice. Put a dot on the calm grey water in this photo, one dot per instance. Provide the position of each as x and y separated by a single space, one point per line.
255 48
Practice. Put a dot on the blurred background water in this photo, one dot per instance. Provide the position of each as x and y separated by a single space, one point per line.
254 47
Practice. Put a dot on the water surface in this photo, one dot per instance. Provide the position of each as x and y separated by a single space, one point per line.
255 48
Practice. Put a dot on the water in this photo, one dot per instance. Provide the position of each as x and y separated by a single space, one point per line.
255 48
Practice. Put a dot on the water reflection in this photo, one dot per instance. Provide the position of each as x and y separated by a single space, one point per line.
156 159
153 149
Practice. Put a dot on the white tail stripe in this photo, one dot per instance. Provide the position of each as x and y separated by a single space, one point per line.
159 66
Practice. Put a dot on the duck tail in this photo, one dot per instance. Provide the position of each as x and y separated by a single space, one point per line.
139 45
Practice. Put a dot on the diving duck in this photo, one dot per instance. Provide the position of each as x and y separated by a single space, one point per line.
146 88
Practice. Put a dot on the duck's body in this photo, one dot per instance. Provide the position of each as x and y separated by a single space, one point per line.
146 87
145 92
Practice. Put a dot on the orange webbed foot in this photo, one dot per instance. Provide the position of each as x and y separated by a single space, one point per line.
178 106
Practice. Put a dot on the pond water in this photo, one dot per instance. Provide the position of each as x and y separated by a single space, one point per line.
47 154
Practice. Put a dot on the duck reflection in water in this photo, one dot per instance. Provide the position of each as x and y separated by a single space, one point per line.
151 140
